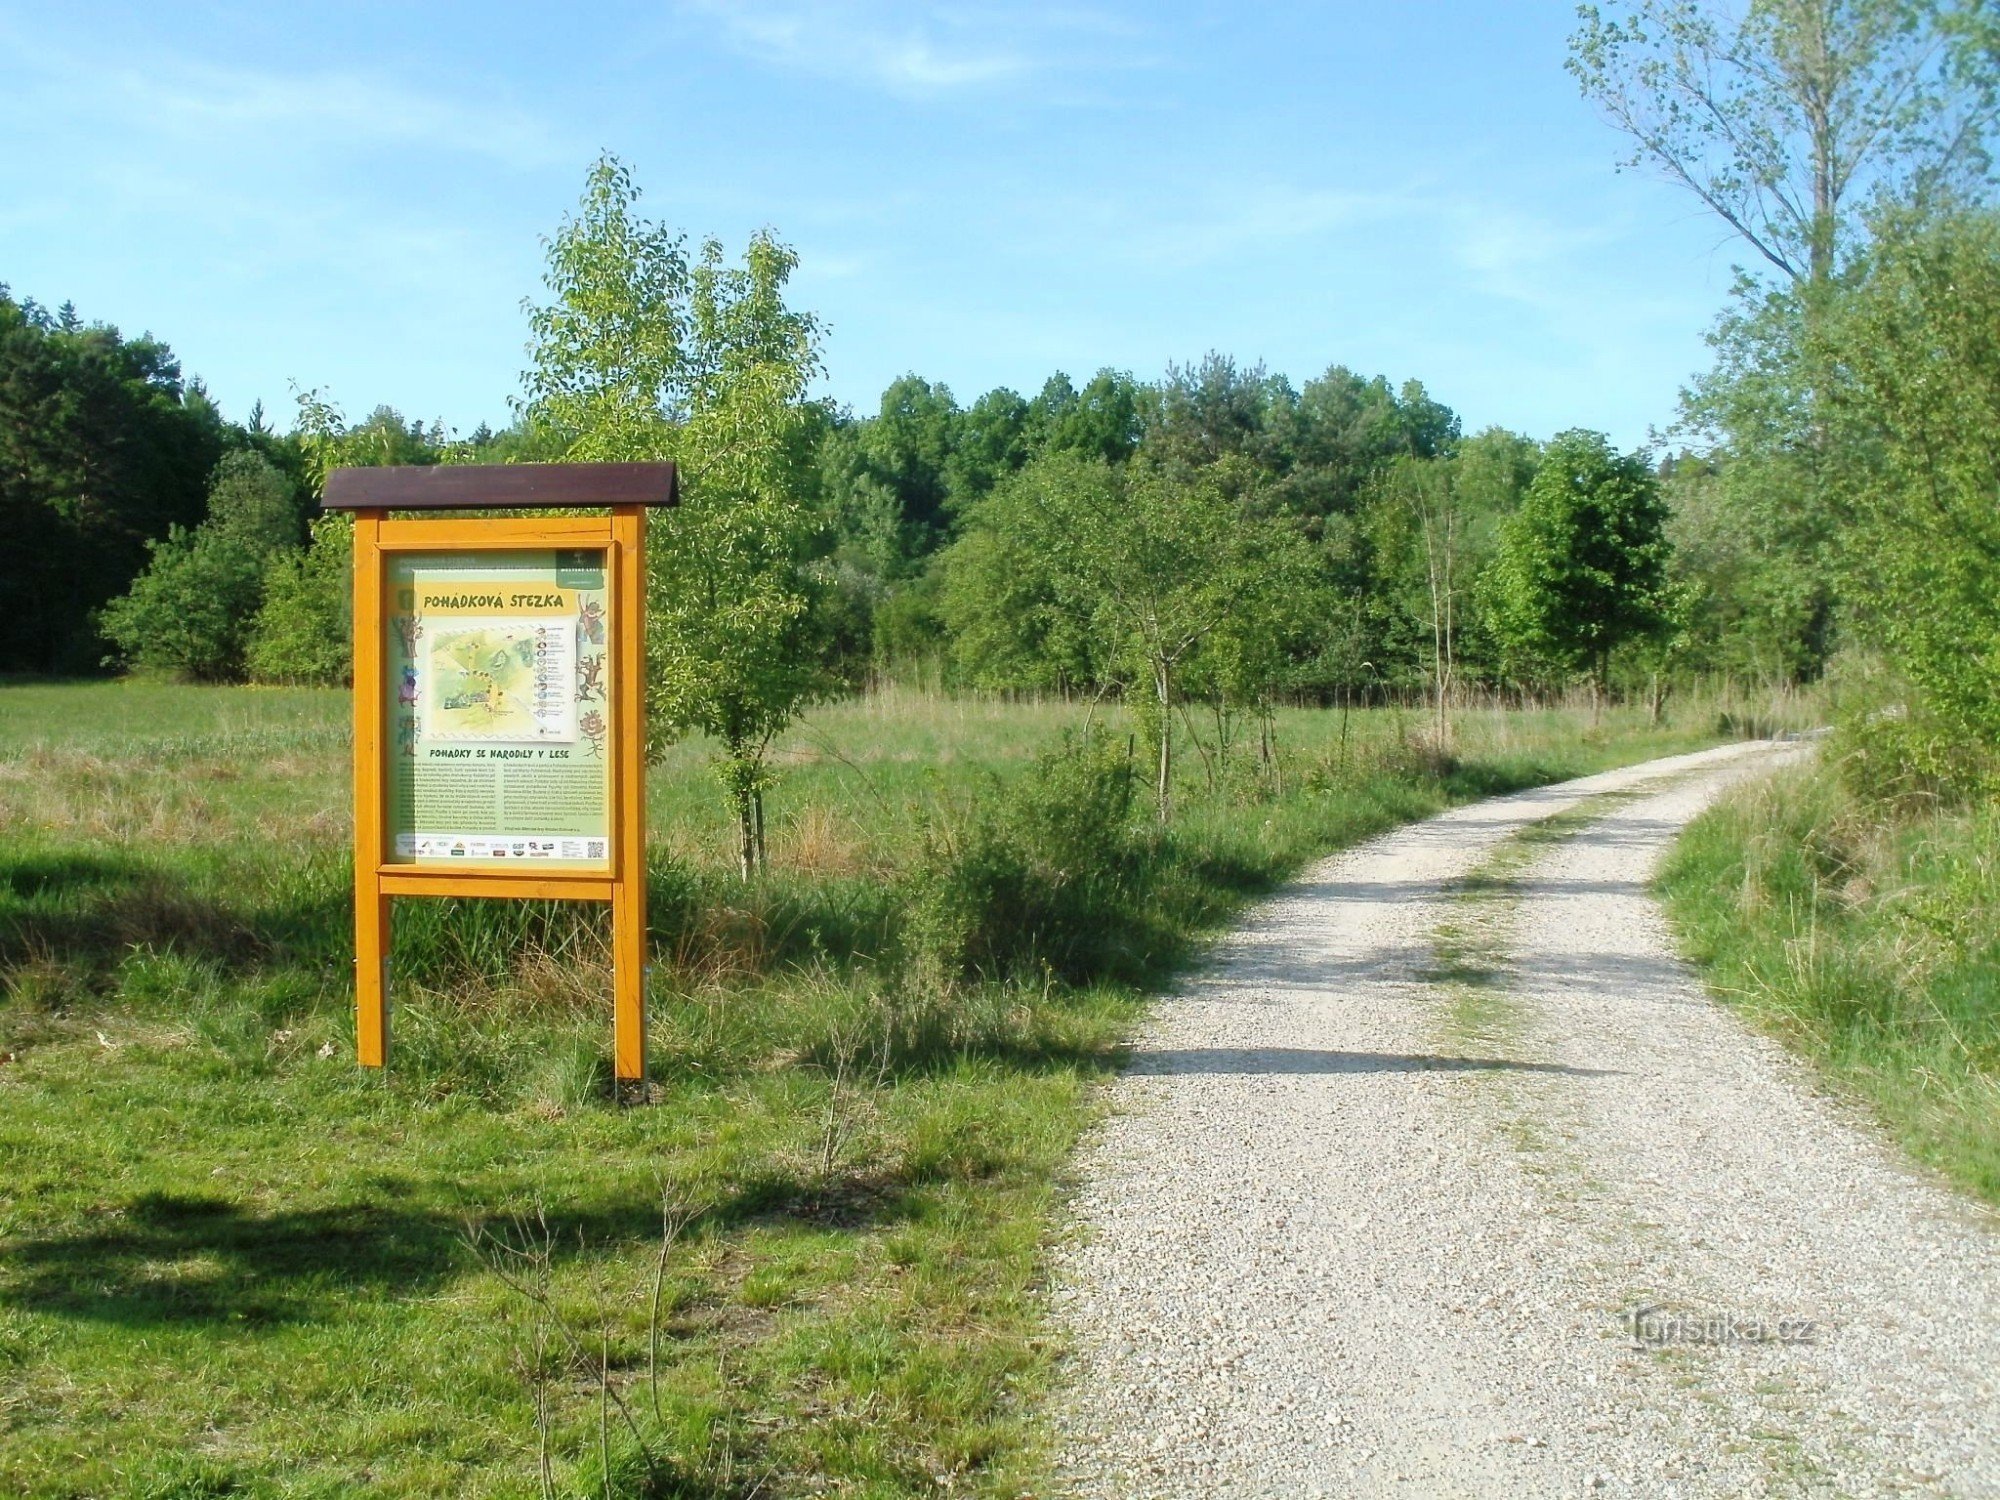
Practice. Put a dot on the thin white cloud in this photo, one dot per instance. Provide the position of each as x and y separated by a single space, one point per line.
293 113
1226 223
916 51
1503 250
335 109
1522 256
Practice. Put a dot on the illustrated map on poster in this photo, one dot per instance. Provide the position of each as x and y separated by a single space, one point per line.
496 679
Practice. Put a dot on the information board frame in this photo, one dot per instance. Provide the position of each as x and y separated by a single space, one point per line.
372 495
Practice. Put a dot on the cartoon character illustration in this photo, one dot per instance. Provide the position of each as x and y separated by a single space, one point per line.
590 679
590 622
410 628
406 734
594 730
406 693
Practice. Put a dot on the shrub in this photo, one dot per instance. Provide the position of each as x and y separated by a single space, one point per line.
190 612
301 629
1042 876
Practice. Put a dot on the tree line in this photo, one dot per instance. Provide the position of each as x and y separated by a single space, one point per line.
1203 546
911 521
104 447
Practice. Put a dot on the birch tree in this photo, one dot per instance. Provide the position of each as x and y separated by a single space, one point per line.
644 352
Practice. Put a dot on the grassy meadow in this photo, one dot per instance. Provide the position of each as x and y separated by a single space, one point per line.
233 1264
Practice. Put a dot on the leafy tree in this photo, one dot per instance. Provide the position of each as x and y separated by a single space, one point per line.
1771 518
908 447
1916 336
1581 567
1274 639
1787 119
1120 572
1105 420
1013 619
1344 432
190 612
642 353
1490 474
251 503
990 443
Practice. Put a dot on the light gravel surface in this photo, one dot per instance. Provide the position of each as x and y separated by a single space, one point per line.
1357 1226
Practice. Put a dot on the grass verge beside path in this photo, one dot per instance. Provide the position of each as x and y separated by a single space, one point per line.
231 1264
1867 939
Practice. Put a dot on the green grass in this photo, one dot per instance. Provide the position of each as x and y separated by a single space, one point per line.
232 1264
1869 938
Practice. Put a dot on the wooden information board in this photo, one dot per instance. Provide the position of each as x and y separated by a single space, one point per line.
499 704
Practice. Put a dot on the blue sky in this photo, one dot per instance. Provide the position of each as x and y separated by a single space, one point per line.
352 197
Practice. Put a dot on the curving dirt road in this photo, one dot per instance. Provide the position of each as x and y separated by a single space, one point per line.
1435 1186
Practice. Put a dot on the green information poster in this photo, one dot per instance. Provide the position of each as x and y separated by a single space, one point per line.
498 667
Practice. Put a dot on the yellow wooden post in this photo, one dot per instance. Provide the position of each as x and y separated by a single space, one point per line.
628 899
372 935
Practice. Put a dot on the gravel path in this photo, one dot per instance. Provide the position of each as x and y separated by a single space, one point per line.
1363 1225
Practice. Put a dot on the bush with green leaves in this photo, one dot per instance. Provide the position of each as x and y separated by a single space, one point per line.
1915 337
191 612
1044 876
302 629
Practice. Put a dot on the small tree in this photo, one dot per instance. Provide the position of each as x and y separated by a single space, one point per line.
1127 570
191 611
1581 567
1421 517
643 354
1274 636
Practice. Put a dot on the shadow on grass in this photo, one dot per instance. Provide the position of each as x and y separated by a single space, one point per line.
90 912
168 1258
95 909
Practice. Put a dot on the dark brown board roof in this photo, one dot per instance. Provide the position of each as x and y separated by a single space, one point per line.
500 486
